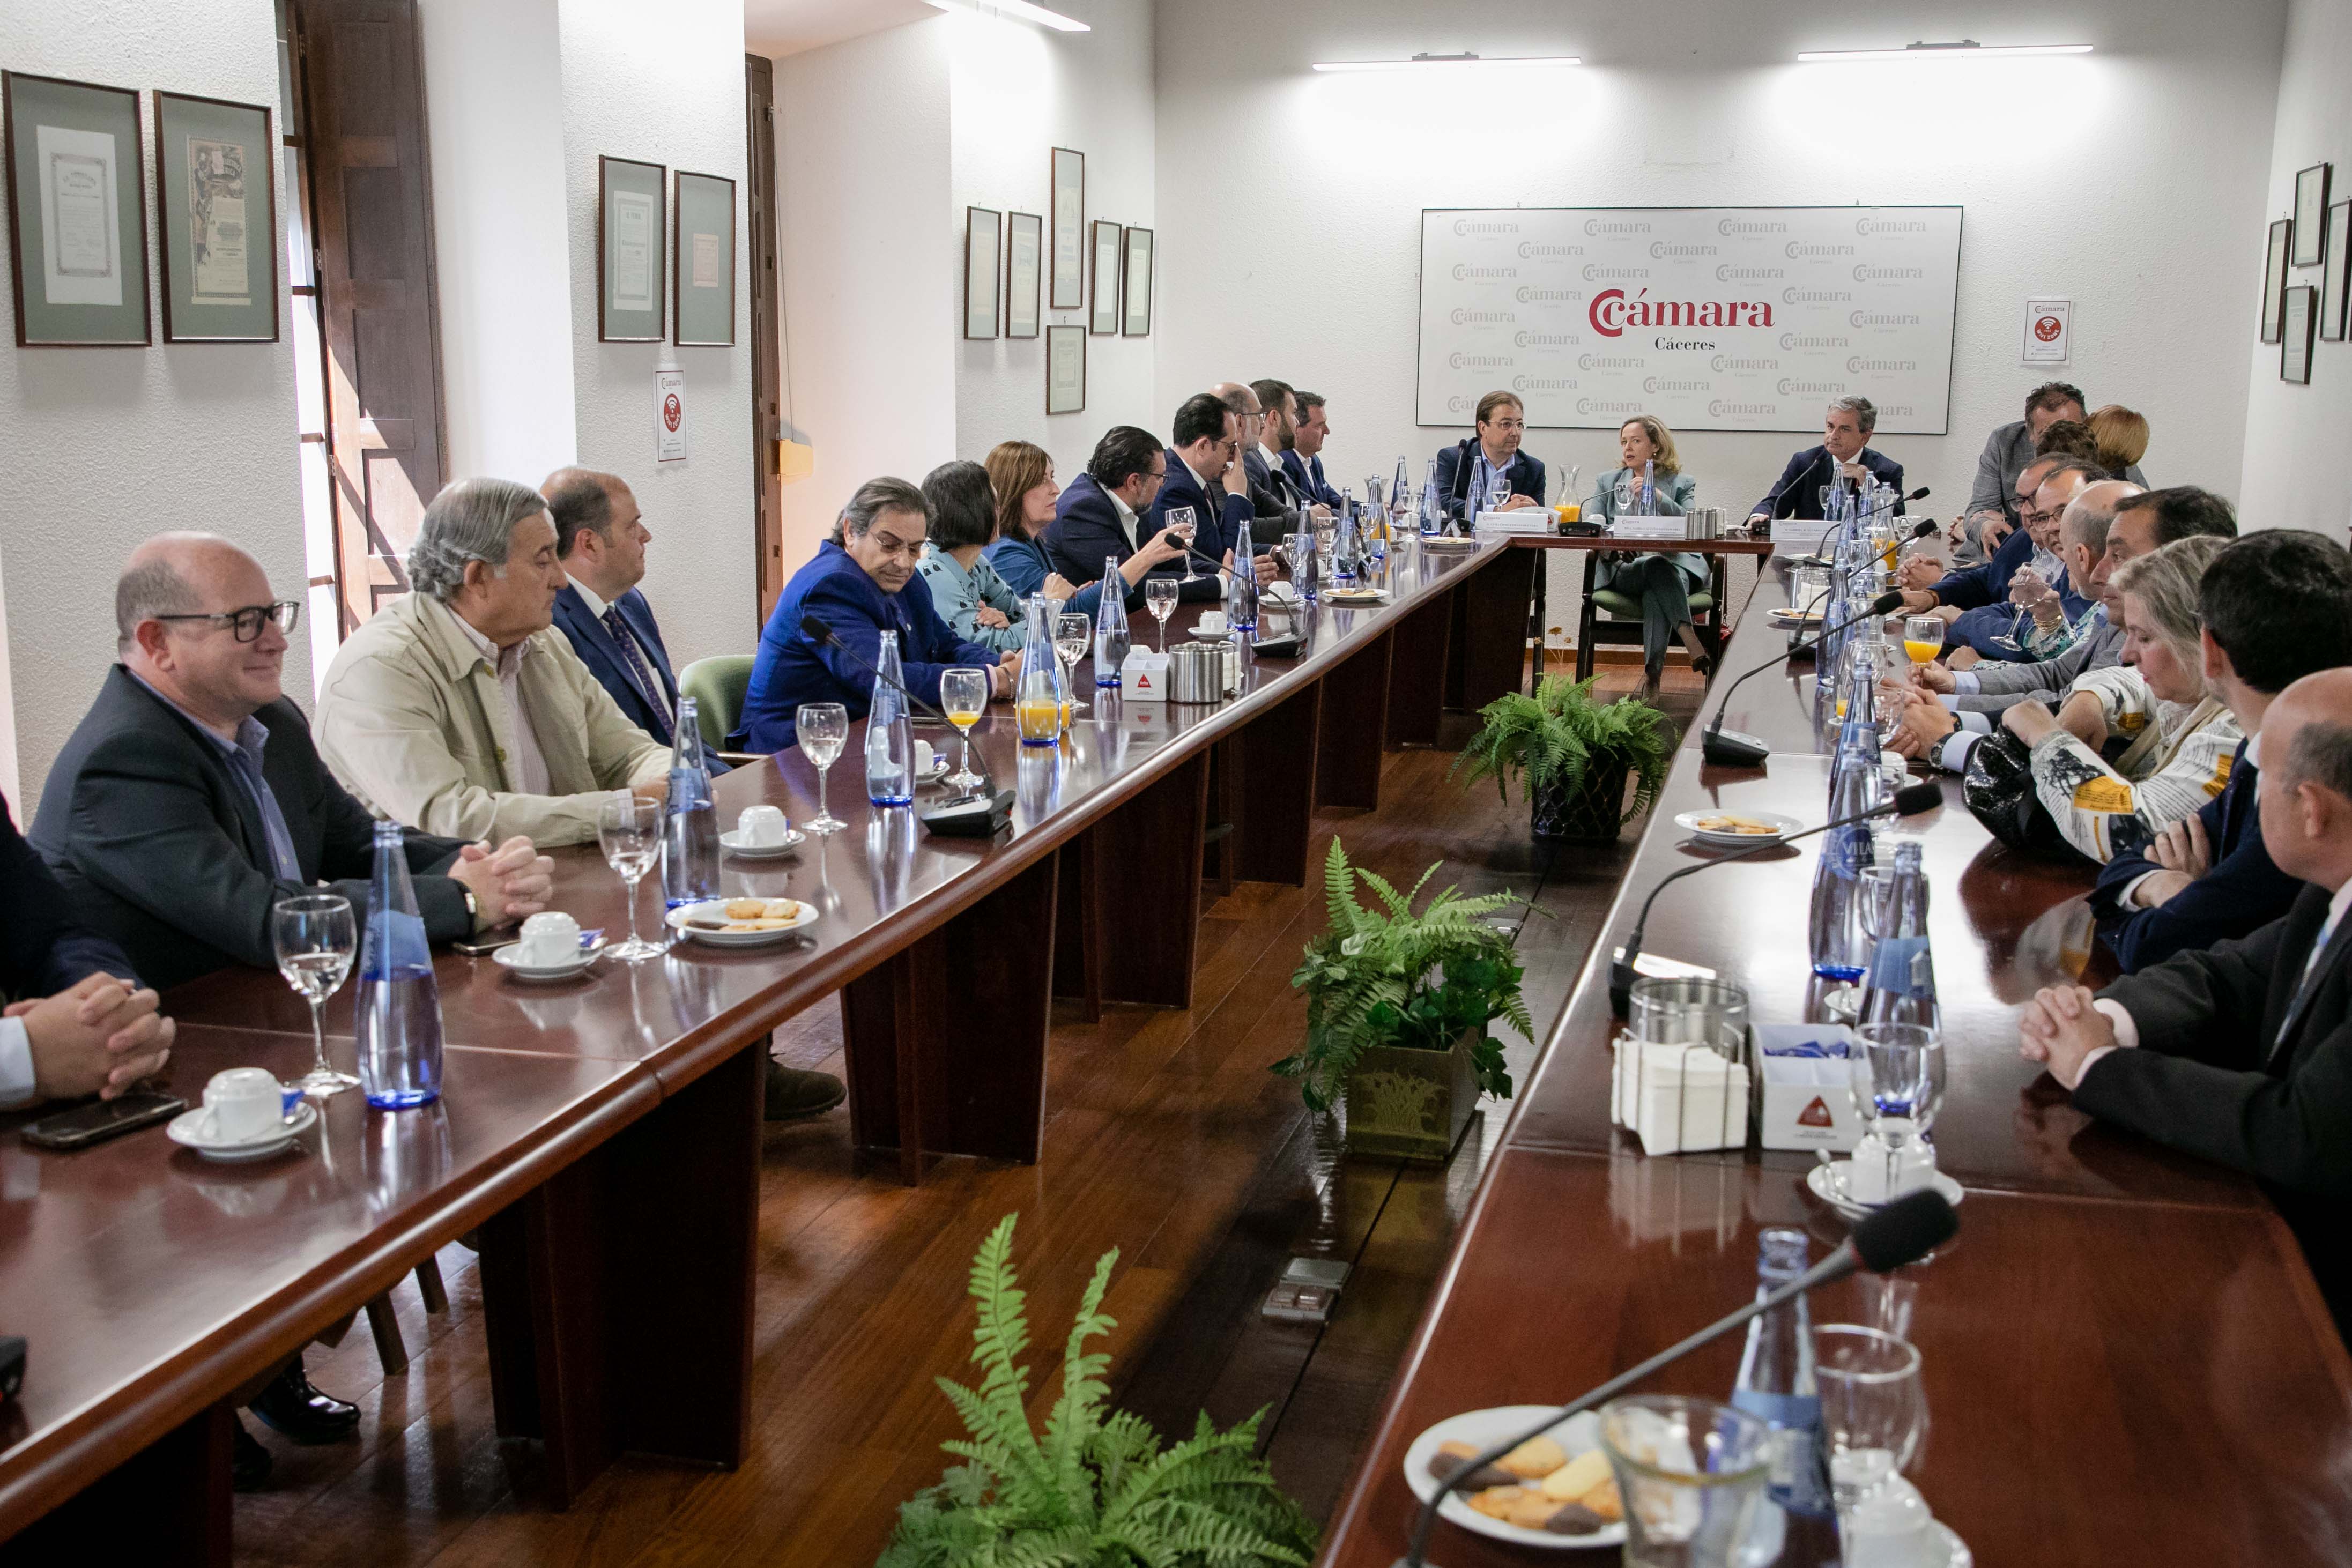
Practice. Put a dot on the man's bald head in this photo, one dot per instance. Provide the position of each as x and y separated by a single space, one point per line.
179 573
2083 523
169 588
2304 791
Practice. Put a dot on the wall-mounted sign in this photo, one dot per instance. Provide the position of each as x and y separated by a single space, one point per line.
2048 331
669 416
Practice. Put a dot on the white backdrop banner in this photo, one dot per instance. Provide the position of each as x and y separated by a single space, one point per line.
1709 318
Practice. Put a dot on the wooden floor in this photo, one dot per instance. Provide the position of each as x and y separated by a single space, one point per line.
1166 1138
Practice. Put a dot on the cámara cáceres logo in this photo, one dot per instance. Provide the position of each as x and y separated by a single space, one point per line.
1612 312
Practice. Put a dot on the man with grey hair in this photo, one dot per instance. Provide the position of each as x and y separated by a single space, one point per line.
1845 458
458 709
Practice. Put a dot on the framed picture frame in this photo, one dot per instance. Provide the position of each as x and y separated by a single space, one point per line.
1065 369
2310 215
1135 285
2298 314
1108 248
632 218
217 206
1069 189
1025 256
2333 277
2275 263
983 237
702 262
76 213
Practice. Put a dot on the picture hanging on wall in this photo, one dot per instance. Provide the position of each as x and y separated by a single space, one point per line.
216 200
702 262
1024 246
77 214
1104 318
1134 291
2310 208
1069 229
2332 281
2301 314
2274 278
632 210
982 234
1065 369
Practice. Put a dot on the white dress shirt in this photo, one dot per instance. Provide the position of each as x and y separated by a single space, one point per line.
531 775
1126 516
17 1082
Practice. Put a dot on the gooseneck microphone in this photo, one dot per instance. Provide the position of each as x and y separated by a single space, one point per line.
1730 747
818 633
1789 489
1902 1231
1910 800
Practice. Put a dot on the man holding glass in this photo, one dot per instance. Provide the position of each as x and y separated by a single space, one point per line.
1487 471
1100 517
1205 499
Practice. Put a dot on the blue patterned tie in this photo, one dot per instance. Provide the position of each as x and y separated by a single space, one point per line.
640 672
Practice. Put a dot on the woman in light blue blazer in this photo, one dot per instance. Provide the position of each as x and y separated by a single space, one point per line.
966 590
1650 481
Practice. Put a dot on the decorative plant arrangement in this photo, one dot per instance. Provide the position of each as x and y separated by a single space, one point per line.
1574 754
1095 1489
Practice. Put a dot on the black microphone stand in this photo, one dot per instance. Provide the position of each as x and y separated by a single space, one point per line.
1730 747
822 636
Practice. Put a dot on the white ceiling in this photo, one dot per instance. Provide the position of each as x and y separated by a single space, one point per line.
778 27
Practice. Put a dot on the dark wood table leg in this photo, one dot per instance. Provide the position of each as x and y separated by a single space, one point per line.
169 1502
1077 929
1492 645
1278 818
1353 731
1148 883
1417 674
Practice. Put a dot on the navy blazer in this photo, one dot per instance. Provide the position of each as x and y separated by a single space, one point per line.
1219 526
1307 474
790 669
594 643
2242 891
1457 463
1816 468
42 950
1084 533
1024 565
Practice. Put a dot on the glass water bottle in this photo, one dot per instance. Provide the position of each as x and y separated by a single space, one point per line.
1111 641
890 731
397 1012
689 818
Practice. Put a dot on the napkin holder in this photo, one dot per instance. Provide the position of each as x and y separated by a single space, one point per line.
1802 1099
1678 1098
973 816
1143 678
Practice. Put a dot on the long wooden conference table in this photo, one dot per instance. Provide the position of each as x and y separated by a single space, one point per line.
2124 1357
600 1137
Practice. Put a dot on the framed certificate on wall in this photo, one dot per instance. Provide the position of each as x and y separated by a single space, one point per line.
1069 291
216 200
77 214
1105 317
983 232
702 262
2274 277
2332 279
632 292
1065 370
1025 249
2297 316
1134 291
2310 214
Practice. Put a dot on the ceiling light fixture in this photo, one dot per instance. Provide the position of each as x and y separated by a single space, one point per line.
1967 49
1015 10
1465 59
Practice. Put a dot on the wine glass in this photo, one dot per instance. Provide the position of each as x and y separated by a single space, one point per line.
1160 598
1073 634
1923 638
1184 524
1874 1412
2026 590
1895 1072
1498 490
316 939
963 694
629 829
823 729
1305 566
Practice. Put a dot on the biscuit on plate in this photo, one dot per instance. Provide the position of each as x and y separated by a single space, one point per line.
1450 1458
746 908
1603 1500
780 909
1496 1502
1535 1457
1576 1477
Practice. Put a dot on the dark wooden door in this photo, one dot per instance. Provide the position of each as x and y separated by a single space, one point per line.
767 379
374 204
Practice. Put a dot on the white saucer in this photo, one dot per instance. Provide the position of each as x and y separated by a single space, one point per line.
1481 1427
733 841
1212 636
1781 828
716 909
510 959
185 1130
938 770
1828 1182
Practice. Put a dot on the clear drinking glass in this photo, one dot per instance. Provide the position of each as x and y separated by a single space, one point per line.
1073 634
316 939
1923 638
1160 598
629 829
1305 566
2026 590
963 694
1183 524
1895 1072
822 729
1874 1412
1690 1473
1498 490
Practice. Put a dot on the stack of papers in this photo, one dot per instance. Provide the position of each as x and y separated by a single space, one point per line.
1529 520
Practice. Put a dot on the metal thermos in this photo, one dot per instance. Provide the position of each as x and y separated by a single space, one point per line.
1196 673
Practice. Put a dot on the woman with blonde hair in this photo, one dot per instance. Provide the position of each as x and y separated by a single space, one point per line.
2120 439
1649 481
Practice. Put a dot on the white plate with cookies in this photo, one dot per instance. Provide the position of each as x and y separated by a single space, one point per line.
1554 1492
742 922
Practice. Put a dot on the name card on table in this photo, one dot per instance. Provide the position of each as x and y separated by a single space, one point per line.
1649 528
1800 535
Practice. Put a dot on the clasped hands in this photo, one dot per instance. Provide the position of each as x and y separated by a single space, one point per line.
2059 1028
99 1036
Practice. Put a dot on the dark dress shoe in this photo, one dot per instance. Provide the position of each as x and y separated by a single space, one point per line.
248 1462
794 1092
295 1409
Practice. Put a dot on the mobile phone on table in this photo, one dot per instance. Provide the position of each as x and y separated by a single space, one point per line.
100 1120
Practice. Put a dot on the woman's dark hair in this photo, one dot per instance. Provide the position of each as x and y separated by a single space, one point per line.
2070 438
963 506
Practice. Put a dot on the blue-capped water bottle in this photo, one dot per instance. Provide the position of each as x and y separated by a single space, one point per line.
890 731
1111 638
1241 583
1776 1384
1901 985
1840 943
397 1008
689 818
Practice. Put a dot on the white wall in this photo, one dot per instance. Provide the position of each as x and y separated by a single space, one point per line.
100 447
2298 470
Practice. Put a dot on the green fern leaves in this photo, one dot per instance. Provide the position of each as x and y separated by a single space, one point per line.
1554 737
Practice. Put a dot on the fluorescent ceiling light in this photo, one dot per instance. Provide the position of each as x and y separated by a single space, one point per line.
1968 48
1011 10
1418 61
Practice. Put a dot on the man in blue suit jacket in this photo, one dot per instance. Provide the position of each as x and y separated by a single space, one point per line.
601 538
1465 470
1302 450
1842 457
1205 473
860 587
1100 517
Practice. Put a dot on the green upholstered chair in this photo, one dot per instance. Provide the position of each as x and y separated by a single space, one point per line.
718 684
1625 628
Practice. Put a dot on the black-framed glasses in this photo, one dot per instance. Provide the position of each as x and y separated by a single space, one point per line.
286 614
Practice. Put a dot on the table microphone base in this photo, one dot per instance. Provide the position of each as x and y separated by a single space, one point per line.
1732 748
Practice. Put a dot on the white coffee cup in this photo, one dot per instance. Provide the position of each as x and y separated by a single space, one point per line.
762 827
1892 1528
1877 1176
1209 620
244 1103
923 757
549 939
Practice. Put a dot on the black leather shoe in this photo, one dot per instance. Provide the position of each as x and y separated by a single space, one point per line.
794 1092
248 1462
295 1409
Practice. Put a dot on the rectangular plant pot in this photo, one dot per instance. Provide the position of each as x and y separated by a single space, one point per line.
1410 1104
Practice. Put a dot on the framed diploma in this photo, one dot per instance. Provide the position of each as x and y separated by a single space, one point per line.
77 214
983 229
1069 226
216 203
702 262
2310 215
632 295
1105 317
1135 292
2332 279
1065 370
1025 249
2298 314
2274 278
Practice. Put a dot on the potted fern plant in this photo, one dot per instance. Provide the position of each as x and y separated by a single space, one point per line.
1574 755
1397 1008
1097 1488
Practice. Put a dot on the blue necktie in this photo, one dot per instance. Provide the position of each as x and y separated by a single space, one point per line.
640 672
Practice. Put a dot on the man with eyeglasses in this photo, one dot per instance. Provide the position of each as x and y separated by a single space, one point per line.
1472 471
2045 489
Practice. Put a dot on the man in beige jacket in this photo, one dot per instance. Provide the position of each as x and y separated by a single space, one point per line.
457 710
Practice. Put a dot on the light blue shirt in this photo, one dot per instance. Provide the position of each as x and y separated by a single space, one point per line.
958 594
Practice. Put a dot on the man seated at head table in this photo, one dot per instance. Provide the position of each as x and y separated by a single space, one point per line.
863 584
2242 1053
1844 460
1488 463
1099 518
458 709
2276 606
1302 448
190 801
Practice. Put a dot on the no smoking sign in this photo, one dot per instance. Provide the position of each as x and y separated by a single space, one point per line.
669 412
2048 329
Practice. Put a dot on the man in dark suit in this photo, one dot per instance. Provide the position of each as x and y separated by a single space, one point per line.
2276 606
1843 458
1205 476
601 538
2169 1053
1467 470
1302 449
1100 517
1276 433
1266 499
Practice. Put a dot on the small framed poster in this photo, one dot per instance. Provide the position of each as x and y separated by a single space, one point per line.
2274 278
1025 250
2049 333
1135 287
1069 291
702 262
2332 279
982 231
2310 215
1104 318
2298 315
632 210
216 202
77 214
1065 369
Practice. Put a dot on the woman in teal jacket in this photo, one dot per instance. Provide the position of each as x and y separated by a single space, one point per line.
1650 482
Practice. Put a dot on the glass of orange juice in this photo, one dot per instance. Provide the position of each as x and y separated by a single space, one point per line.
963 694
1923 638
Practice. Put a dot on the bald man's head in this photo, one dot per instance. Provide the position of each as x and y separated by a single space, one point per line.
2083 524
174 610
166 575
2305 785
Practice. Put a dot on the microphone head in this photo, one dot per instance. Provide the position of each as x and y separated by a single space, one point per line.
1887 603
1913 800
1905 1231
1927 527
816 630
1918 495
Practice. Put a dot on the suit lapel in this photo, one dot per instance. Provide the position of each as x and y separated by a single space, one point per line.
2307 988
599 638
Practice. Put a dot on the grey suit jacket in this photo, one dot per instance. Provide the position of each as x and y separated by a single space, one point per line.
2002 686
